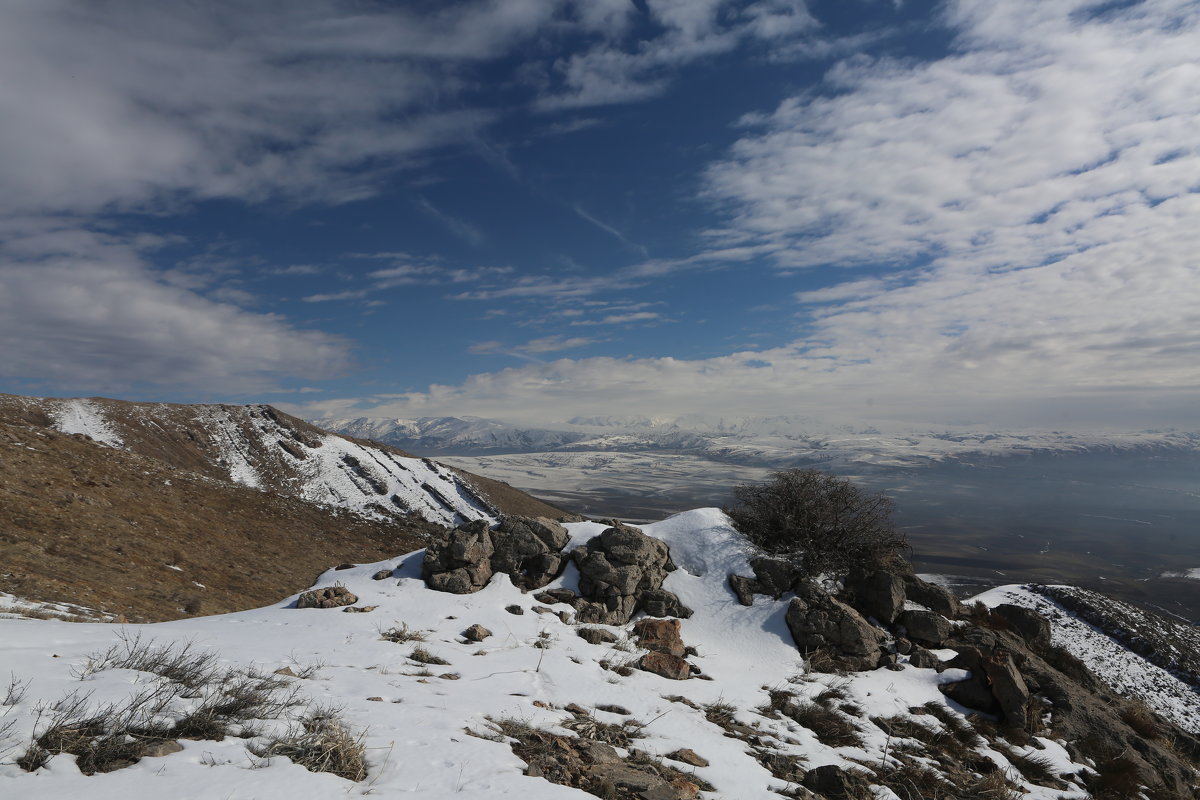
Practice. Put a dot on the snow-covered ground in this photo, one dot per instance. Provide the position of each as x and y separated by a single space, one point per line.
414 721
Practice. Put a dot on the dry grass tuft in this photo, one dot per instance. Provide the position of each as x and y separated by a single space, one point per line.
423 656
400 634
321 742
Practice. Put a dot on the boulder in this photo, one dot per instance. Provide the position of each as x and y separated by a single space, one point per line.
820 622
1029 625
661 603
772 576
877 593
596 635
666 665
1009 688
689 757
836 783
529 550
661 635
931 596
327 597
619 572
926 627
920 657
461 564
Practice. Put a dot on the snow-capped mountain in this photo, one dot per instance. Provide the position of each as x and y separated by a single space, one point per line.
775 442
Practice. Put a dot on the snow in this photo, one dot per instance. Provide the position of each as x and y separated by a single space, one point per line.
1193 574
80 415
416 738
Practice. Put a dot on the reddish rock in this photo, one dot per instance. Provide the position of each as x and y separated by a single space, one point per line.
660 635
666 665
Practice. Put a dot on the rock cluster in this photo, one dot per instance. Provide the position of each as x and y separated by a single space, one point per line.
528 549
621 571
326 597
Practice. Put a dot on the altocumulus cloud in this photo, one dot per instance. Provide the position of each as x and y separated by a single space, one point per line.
1025 205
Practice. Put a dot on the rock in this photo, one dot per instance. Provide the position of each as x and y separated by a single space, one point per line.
375 699
326 597
660 635
743 587
286 671
688 756
661 603
529 550
877 593
596 635
382 575
836 783
973 692
556 596
160 749
631 779
461 564
926 627
1029 625
930 595
819 621
476 633
666 665
359 609
594 752
903 646
1009 688
514 609
924 659
616 570
772 576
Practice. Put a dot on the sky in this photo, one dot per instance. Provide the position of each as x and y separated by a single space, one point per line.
961 213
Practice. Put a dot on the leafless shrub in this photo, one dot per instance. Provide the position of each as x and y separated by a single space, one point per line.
233 703
1034 768
15 692
182 664
321 742
1138 716
720 713
960 728
822 522
616 735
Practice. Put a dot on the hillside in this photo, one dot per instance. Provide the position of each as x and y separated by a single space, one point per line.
156 511
412 698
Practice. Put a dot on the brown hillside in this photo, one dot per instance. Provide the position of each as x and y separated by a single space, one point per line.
157 531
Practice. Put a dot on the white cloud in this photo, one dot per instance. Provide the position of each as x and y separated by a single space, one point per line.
1026 205
80 309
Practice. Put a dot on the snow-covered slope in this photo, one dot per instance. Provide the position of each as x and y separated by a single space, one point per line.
417 720
260 447
1128 673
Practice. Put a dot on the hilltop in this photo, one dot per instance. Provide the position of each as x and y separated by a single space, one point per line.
156 511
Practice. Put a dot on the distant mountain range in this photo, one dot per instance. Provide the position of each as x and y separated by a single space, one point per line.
775 442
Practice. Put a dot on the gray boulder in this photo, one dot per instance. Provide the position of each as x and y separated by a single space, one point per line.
462 563
820 622
772 576
877 593
621 571
529 550
926 627
931 596
1029 625
326 597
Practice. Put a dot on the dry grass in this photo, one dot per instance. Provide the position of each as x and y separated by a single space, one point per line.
616 735
401 634
423 656
831 728
321 742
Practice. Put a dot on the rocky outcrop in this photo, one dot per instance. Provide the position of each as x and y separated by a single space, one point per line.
1028 624
619 571
528 549
930 595
876 593
461 564
821 623
327 597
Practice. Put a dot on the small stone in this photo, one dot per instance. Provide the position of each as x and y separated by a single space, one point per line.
359 609
614 709
534 771
685 789
541 610
375 699
476 633
923 658
596 635
450 676
382 575
577 710
689 756
344 566
514 609
286 671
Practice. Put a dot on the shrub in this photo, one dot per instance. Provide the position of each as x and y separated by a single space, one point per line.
321 742
820 521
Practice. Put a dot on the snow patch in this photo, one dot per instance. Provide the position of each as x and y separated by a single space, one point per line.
80 415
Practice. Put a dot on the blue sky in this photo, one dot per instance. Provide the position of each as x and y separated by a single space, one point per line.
864 211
